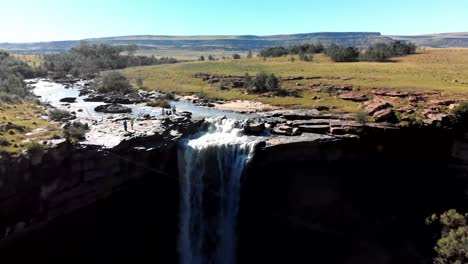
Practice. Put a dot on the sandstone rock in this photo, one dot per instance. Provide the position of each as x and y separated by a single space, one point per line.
297 123
354 97
286 130
385 115
446 102
112 109
319 129
377 106
384 92
254 128
68 100
94 98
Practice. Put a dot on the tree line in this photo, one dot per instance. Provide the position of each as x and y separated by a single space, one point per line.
376 52
87 60
12 74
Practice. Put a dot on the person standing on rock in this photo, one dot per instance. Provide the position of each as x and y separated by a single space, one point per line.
132 122
125 125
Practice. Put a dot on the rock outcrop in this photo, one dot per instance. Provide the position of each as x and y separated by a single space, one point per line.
112 109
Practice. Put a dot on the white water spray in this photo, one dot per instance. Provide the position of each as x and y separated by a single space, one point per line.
210 166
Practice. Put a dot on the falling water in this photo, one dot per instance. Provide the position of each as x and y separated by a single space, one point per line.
211 165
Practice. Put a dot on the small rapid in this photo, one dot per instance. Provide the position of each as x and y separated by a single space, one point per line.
211 165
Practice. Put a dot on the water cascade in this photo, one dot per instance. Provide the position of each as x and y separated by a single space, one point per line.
210 166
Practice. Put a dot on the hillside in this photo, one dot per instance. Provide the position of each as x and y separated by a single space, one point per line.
204 43
443 40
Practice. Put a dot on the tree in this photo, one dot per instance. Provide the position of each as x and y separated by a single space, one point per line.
305 57
202 58
342 54
248 81
113 82
272 83
131 49
377 52
139 82
236 56
249 55
211 58
452 247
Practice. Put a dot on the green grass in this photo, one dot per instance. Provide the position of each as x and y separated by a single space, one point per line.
24 118
442 70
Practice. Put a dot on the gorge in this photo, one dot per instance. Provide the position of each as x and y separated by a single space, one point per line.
173 194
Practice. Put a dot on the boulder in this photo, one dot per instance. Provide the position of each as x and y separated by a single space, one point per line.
385 115
117 100
286 130
113 109
376 106
355 97
68 100
94 98
254 128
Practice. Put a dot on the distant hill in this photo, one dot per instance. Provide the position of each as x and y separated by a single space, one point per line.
241 43
204 43
443 40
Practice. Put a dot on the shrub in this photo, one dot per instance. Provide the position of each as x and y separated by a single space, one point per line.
342 54
460 114
159 103
113 82
378 52
170 96
262 83
362 117
75 132
60 115
236 56
35 147
452 247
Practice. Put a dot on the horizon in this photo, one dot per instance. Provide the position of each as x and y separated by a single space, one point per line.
54 20
217 35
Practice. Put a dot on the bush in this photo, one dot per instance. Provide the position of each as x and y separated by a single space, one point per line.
262 83
35 147
342 54
75 132
274 52
452 247
60 115
362 117
113 82
379 52
159 103
460 114
236 56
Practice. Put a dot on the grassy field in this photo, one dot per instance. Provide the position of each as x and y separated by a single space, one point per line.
18 121
441 70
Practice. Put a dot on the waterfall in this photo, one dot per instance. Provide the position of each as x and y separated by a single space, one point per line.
210 166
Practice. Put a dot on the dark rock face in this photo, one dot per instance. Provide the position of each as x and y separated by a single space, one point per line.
113 109
352 201
68 100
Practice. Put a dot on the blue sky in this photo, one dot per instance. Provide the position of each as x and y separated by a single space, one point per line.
45 20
